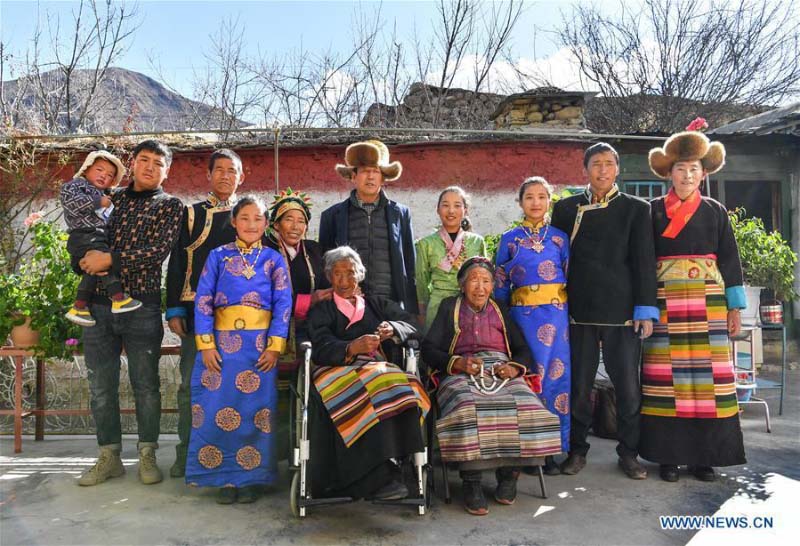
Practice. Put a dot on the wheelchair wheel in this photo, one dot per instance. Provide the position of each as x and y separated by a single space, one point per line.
294 496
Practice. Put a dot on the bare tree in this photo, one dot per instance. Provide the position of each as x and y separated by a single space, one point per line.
228 82
67 64
498 24
453 34
337 88
659 66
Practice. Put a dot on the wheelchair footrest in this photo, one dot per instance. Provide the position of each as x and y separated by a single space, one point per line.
324 501
411 501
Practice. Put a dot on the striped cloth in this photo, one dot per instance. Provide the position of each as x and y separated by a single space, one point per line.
687 369
510 423
359 397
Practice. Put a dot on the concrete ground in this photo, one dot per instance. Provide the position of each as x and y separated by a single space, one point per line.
41 504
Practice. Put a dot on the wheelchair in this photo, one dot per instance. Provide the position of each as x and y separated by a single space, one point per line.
299 496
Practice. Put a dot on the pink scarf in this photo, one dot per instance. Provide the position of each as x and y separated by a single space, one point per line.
353 312
453 248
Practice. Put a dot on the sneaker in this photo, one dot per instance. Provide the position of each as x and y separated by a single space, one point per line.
506 491
125 305
668 472
573 464
80 316
703 473
394 490
227 495
149 473
108 465
632 467
474 501
248 494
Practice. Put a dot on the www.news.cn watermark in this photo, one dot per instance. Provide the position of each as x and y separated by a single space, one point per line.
695 523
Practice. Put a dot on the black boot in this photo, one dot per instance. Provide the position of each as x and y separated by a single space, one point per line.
551 467
668 472
474 500
703 473
506 492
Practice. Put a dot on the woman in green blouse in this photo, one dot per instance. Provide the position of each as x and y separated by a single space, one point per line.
440 254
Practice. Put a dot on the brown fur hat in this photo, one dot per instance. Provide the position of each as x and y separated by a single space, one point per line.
687 146
370 153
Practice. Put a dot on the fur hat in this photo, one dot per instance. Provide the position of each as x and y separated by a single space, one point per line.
108 156
687 146
370 153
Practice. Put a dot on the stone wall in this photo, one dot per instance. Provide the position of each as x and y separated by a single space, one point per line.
427 106
541 108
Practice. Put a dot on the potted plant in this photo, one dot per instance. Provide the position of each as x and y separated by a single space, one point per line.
40 291
767 261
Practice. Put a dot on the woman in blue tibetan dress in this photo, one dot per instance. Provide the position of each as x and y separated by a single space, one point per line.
531 279
242 311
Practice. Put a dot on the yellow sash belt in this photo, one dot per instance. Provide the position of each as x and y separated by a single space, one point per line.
241 317
540 294
701 268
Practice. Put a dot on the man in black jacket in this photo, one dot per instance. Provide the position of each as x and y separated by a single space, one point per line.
612 301
205 226
378 228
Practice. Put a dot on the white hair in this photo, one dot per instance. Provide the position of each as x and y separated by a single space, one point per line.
336 255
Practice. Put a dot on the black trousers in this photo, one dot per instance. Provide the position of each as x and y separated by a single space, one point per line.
622 357
81 241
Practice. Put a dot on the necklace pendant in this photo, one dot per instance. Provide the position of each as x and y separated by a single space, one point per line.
537 246
248 272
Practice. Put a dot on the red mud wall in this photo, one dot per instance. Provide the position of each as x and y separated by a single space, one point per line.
479 167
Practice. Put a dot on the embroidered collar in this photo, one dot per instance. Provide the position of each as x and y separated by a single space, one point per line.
530 225
244 249
215 201
612 194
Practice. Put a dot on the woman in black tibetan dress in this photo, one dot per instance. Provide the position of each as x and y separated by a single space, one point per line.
289 217
690 414
364 411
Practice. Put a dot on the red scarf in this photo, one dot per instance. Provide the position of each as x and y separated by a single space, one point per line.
679 212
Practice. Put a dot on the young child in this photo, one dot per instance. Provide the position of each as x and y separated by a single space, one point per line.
242 310
87 208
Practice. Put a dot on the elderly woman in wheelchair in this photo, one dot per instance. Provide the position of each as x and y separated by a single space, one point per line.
490 416
364 413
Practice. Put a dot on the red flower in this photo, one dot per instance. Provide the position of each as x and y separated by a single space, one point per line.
698 124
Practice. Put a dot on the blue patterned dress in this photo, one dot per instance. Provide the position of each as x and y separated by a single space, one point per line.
234 412
533 285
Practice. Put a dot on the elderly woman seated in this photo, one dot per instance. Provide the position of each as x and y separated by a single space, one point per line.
490 416
363 410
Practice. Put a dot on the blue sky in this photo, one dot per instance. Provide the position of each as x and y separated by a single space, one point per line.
176 32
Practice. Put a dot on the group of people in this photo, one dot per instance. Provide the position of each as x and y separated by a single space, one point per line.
510 343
